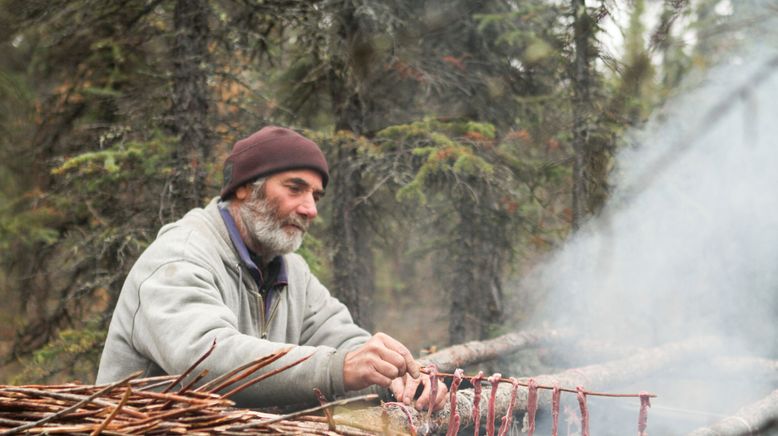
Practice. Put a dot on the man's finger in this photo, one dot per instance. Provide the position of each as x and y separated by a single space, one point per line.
398 388
393 358
423 400
387 370
411 365
411 384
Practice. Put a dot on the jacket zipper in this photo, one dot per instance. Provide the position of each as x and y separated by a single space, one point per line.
260 303
264 325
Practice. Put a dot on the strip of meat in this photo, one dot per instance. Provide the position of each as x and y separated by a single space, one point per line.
406 411
494 379
555 397
584 410
645 403
532 405
476 381
507 420
454 419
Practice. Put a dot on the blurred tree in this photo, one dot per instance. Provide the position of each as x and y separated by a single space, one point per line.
472 125
189 108
96 148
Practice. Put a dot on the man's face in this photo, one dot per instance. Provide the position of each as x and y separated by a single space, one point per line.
277 215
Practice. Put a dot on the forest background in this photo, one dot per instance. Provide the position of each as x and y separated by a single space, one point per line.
467 140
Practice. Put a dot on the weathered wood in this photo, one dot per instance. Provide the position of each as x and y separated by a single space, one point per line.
474 352
748 420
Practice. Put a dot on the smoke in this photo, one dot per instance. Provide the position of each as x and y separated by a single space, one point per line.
688 246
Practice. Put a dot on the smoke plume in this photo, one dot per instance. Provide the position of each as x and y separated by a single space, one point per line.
688 246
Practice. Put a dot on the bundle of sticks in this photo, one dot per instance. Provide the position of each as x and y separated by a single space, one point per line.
161 405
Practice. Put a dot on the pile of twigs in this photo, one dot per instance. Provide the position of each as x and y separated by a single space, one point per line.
158 405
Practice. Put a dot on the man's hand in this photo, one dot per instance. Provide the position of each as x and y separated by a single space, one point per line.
404 389
379 361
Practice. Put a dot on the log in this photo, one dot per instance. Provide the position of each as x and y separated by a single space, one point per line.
750 419
474 352
592 378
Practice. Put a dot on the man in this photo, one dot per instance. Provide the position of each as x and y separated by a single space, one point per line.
227 272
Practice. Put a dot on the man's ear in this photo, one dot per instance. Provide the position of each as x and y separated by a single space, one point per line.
242 193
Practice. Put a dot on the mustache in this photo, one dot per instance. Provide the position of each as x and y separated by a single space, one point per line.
297 220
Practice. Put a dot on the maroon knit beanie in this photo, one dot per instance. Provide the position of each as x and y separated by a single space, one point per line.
271 150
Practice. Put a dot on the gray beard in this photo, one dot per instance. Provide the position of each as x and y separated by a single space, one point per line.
260 218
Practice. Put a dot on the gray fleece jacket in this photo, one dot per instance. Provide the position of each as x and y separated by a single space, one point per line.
189 288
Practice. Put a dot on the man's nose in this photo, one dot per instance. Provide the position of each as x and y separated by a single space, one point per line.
308 207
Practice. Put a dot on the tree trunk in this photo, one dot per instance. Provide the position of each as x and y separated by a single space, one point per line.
591 153
189 105
472 268
580 108
352 255
354 275
474 352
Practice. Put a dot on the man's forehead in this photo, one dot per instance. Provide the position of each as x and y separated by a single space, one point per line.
302 176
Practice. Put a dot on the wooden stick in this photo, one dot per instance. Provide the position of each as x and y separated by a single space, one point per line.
191 368
67 410
526 384
266 375
242 372
113 414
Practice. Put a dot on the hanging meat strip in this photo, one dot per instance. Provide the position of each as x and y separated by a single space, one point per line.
645 403
507 420
476 381
494 379
532 405
584 411
454 419
555 397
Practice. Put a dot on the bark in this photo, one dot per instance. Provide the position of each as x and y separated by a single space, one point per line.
751 419
473 352
352 252
475 262
581 76
592 378
190 104
591 148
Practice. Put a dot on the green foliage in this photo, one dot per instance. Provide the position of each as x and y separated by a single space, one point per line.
444 148
134 159
73 351
27 226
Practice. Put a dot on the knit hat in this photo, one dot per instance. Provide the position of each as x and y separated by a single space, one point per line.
271 150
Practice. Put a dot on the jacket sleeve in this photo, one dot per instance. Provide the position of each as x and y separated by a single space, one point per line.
327 321
180 312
